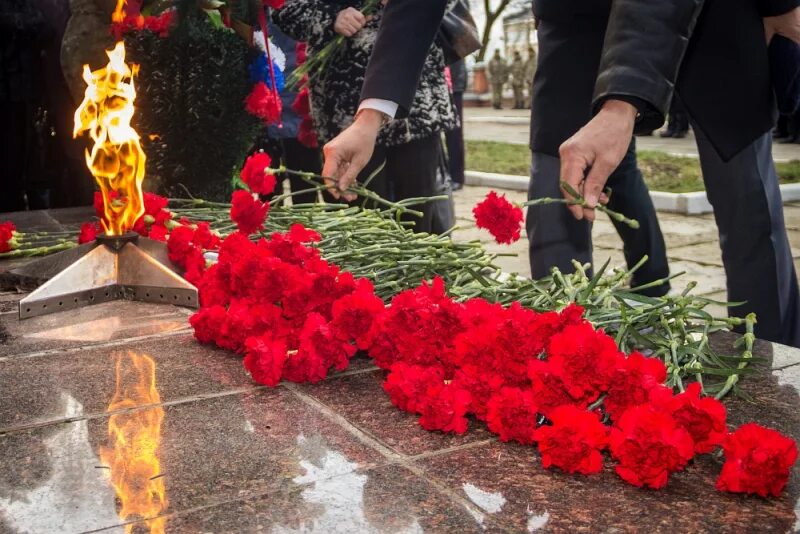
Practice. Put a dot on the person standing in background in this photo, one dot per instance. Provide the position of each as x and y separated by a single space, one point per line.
455 137
498 75
518 80
530 71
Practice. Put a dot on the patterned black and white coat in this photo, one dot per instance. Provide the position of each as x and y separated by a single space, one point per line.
335 93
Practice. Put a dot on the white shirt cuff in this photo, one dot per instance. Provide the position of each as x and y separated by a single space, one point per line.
387 107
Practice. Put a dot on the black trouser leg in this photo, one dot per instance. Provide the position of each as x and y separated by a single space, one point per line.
455 142
630 196
556 238
755 248
411 169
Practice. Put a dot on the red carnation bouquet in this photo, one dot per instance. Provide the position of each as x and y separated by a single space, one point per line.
546 379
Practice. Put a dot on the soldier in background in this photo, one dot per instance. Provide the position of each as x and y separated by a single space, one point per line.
518 81
498 75
530 70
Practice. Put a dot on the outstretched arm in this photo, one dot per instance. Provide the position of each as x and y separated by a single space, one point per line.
644 47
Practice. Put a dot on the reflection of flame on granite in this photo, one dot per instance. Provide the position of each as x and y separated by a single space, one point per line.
134 437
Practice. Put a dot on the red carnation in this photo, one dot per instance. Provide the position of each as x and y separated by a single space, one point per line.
213 287
407 385
481 384
180 244
757 460
318 337
548 389
631 383
247 212
649 445
355 315
300 234
704 418
419 327
7 241
584 359
158 232
264 103
502 218
512 415
154 204
264 359
208 323
445 409
88 233
574 441
305 366
254 174
204 238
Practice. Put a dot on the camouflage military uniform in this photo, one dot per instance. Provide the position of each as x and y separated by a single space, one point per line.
530 70
518 81
498 75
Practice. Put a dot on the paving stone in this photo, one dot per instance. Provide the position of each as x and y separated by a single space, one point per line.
710 279
704 253
791 216
717 310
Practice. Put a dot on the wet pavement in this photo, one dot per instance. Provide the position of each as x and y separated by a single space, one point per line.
112 417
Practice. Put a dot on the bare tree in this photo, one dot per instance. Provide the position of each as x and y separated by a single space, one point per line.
493 10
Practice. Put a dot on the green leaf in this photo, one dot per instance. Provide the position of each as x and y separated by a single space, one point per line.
215 18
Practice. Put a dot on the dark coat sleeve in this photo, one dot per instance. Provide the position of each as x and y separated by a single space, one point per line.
644 45
407 31
773 8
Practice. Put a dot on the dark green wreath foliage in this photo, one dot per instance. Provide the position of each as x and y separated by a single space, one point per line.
190 107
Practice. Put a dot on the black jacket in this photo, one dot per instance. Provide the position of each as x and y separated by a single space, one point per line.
406 34
712 52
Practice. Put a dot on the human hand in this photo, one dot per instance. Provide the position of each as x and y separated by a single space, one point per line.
349 152
787 25
349 22
599 147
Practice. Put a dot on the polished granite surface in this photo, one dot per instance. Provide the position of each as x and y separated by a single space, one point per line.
113 418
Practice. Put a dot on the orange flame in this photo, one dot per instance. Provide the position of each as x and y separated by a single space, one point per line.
135 437
116 159
119 12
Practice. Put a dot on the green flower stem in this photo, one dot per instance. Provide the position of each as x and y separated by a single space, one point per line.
748 340
37 251
578 200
